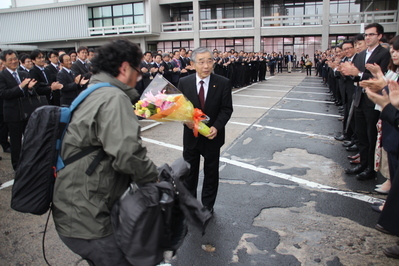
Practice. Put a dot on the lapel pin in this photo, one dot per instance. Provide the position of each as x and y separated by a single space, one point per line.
214 86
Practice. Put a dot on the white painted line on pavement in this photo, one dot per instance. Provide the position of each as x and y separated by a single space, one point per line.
294 179
164 144
305 100
7 184
301 181
258 96
251 106
310 92
285 130
305 112
150 126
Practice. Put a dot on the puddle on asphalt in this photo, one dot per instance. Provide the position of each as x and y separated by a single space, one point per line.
312 167
315 238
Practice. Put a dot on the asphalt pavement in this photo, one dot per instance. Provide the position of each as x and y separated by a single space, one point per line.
283 196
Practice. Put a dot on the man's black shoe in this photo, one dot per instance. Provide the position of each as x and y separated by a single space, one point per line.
340 138
352 148
354 171
8 150
348 143
366 175
392 252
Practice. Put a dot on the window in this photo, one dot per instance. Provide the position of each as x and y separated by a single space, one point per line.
221 11
176 45
116 15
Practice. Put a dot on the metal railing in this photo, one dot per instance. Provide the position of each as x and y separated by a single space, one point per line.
121 29
275 21
388 16
177 26
233 23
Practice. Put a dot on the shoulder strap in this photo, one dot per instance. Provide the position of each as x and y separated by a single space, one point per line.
86 93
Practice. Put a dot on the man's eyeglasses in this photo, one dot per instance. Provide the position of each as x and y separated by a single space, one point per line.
370 34
140 76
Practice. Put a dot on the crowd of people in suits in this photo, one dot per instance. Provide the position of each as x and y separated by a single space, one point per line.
241 68
60 80
357 73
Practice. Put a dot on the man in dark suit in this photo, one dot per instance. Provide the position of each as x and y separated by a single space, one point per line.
25 63
72 85
212 94
53 67
45 85
80 67
365 114
14 84
347 88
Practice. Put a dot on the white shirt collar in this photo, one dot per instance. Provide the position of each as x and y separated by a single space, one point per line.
206 80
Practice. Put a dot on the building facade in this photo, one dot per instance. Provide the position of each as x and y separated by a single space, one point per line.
302 26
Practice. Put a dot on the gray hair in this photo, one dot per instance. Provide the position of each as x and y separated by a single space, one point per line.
200 50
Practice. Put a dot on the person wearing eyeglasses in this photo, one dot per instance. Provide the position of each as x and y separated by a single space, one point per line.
82 204
365 114
210 93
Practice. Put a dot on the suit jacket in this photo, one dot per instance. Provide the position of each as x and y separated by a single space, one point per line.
381 57
42 86
218 106
81 69
70 90
20 68
10 92
349 85
53 73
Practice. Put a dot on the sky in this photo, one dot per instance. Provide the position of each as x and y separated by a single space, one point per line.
5 3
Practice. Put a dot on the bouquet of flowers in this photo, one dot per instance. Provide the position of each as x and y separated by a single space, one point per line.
161 101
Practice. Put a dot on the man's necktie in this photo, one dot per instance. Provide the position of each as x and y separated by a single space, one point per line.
201 95
45 77
14 74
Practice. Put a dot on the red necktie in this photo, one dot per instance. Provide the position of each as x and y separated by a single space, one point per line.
201 95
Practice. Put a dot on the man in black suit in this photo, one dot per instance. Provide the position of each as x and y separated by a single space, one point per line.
53 67
72 85
365 114
25 63
212 94
45 85
14 84
80 66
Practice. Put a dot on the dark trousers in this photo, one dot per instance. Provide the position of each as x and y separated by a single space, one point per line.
280 67
308 70
97 252
389 218
366 131
3 134
211 172
16 131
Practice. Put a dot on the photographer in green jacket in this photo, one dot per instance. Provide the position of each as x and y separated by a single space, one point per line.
82 204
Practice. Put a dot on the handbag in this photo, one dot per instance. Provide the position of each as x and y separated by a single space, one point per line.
28 104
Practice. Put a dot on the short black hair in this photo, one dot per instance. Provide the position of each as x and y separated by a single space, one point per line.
91 50
23 58
61 58
111 56
35 53
359 37
348 41
72 52
52 52
7 52
379 27
147 52
82 48
176 51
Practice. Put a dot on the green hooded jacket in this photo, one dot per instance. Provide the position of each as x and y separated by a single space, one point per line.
82 204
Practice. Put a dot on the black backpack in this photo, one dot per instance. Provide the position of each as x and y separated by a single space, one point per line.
151 218
40 158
